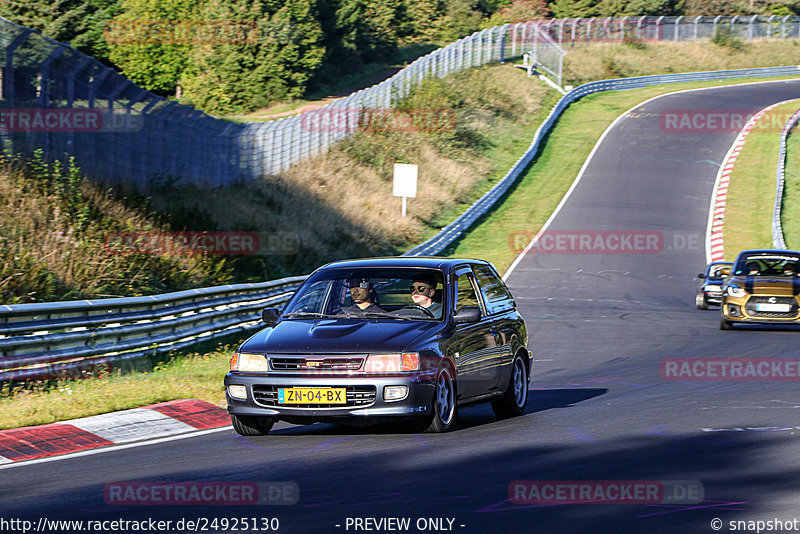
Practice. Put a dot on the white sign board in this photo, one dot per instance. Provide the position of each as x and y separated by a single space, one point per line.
405 180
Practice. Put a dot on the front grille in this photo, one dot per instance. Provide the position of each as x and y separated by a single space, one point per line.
750 307
355 395
311 363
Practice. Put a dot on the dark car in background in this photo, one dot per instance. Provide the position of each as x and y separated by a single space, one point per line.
712 280
763 288
331 356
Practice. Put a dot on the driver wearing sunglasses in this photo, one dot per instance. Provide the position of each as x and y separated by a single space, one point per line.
422 291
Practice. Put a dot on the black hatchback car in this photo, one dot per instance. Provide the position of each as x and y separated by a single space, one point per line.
384 338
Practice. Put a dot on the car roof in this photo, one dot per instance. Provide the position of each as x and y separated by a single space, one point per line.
766 251
431 262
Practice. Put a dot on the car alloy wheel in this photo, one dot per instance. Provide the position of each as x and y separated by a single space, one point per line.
512 402
444 402
701 302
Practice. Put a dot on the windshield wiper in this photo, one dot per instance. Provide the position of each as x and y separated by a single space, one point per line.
365 314
306 314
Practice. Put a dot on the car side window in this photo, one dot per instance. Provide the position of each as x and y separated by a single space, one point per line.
312 300
465 292
495 293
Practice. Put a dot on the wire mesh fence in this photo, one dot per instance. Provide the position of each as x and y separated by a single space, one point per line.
60 102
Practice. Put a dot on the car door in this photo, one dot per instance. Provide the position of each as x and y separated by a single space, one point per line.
476 352
501 310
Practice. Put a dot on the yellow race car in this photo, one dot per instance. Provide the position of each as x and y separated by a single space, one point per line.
763 288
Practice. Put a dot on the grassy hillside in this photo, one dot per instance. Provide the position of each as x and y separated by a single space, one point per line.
336 205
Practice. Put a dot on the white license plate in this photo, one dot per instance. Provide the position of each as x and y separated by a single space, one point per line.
766 307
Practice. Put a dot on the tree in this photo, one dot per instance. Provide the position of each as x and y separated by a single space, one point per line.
576 8
78 22
423 19
369 28
275 54
519 11
460 20
150 40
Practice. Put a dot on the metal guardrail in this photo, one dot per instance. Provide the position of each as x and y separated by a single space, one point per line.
482 206
50 340
778 240
146 139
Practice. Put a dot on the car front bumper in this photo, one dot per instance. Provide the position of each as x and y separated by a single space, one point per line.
365 396
736 309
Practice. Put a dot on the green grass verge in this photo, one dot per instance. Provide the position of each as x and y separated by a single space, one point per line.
498 238
186 376
751 194
502 234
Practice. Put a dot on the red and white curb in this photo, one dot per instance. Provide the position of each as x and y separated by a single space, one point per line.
715 247
145 423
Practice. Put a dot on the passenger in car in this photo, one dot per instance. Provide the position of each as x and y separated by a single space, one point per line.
422 293
363 296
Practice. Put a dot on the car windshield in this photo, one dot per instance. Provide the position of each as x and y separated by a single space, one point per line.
367 293
718 270
767 265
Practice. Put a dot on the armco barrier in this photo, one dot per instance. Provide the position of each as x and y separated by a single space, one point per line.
54 339
119 133
455 229
777 229
47 339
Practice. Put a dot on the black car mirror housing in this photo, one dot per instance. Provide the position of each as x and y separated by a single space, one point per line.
270 315
467 314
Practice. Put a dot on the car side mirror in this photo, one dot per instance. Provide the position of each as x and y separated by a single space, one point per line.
701 275
467 314
270 315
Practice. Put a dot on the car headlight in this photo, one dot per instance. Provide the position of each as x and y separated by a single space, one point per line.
252 363
392 363
713 288
736 291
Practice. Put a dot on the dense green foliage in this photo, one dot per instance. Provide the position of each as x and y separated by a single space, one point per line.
232 56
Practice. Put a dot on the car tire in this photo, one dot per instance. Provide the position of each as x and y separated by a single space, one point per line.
700 300
445 410
252 425
515 397
725 324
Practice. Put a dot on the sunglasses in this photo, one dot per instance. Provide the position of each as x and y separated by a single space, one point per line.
420 289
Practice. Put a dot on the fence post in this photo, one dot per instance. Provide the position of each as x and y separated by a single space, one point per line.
503 31
8 71
677 28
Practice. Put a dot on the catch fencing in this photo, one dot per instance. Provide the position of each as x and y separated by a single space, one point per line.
54 339
59 102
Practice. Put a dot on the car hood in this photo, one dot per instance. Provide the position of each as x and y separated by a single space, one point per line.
339 336
773 285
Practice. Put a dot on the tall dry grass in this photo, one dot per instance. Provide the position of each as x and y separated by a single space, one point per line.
600 61
53 229
340 204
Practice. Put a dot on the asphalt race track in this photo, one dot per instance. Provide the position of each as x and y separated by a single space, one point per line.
601 325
